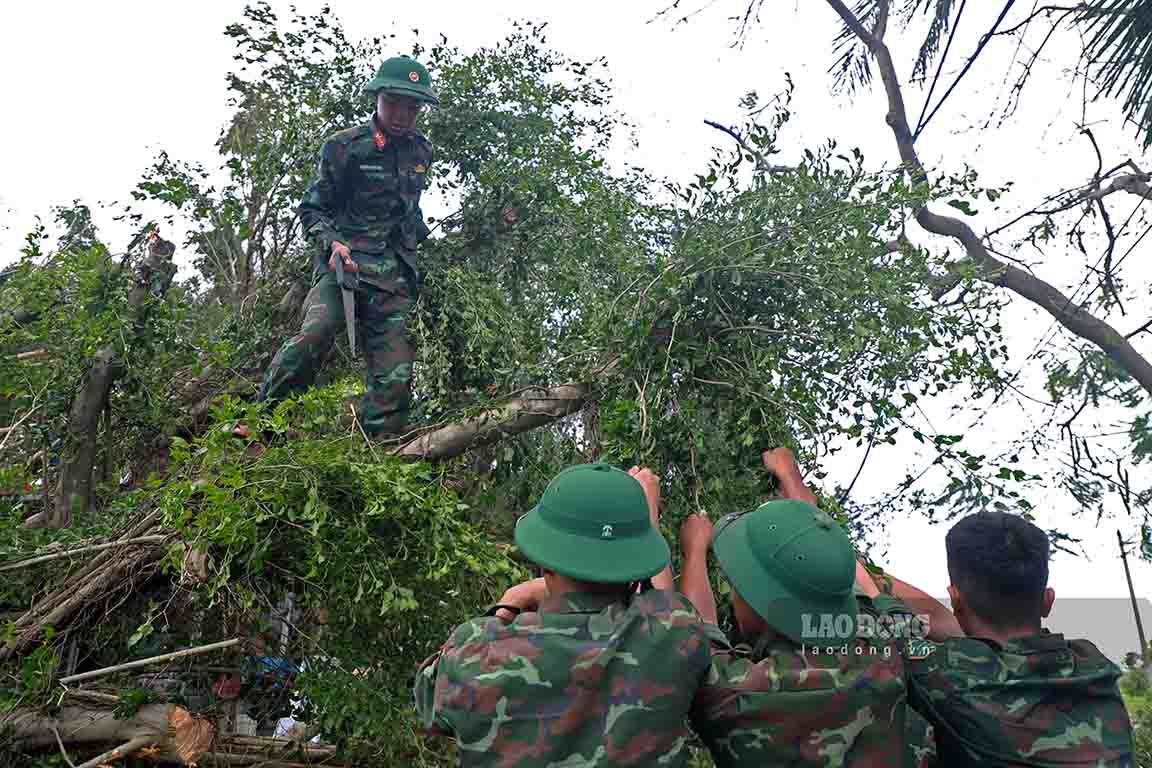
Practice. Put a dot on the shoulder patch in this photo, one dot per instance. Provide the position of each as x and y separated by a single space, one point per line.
425 146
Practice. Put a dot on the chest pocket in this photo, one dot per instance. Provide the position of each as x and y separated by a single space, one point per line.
378 178
376 194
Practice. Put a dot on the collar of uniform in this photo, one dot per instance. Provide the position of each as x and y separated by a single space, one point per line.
1045 642
380 137
578 602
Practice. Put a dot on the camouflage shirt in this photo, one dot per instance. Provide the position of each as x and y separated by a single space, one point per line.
366 193
779 704
587 682
1037 701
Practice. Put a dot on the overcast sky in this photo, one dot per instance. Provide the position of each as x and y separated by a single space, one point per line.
95 90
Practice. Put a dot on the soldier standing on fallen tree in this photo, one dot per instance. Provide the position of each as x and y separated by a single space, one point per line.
362 211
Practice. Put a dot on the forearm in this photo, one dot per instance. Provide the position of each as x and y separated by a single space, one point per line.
865 581
792 487
695 586
318 225
942 623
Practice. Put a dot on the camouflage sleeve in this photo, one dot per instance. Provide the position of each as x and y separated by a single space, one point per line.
424 695
433 680
317 211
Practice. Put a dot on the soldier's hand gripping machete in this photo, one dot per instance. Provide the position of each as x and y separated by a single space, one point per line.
349 302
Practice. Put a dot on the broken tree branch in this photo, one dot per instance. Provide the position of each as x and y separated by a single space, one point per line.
60 743
9 431
151 660
124 750
109 571
989 268
534 408
91 548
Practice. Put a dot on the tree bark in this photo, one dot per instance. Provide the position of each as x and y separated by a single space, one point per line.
77 465
171 729
989 268
533 409
177 735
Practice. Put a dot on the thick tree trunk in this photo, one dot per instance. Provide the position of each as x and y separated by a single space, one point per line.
77 465
165 731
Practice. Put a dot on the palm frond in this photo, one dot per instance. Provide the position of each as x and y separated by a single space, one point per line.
1120 48
852 70
941 22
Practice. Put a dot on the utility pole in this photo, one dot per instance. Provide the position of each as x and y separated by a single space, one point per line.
1135 606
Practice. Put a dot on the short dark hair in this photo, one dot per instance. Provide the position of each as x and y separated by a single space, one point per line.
999 562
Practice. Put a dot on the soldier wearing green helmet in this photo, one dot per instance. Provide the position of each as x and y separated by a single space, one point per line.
362 214
595 663
807 686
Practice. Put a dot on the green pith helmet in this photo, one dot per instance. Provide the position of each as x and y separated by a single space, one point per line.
592 524
793 565
403 76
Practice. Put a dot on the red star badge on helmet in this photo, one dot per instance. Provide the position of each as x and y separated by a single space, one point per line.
414 77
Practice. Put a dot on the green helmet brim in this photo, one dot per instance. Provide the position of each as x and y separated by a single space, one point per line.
376 85
602 561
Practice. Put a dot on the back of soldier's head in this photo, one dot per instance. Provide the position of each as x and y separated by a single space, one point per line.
998 562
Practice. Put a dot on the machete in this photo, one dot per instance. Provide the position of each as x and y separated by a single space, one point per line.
349 302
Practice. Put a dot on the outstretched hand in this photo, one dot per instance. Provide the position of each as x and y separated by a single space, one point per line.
780 462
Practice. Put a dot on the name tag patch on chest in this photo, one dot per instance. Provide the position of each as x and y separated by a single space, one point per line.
371 167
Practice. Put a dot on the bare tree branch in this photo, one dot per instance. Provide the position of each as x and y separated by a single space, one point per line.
989 268
1139 330
152 539
151 660
762 163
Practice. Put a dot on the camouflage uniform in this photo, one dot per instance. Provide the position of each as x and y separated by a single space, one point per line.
366 194
779 704
1037 701
586 682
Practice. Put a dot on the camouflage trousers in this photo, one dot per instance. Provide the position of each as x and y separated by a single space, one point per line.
383 298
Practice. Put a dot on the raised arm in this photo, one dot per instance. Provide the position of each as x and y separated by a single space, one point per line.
942 622
695 540
651 485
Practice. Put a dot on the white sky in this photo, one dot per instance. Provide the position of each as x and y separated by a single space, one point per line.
96 90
